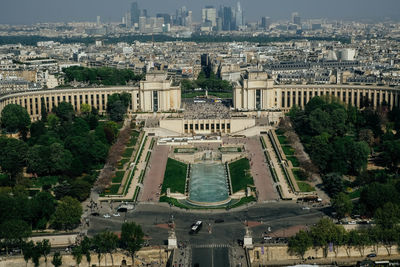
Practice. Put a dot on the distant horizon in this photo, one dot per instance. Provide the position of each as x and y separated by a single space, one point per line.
28 12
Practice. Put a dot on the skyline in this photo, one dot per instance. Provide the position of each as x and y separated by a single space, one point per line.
30 12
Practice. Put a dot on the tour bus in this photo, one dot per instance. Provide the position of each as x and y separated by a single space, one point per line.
196 227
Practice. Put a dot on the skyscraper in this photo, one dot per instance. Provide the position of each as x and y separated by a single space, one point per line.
227 19
209 14
296 18
239 15
265 22
135 13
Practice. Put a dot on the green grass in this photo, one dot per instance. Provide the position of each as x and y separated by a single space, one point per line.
242 201
176 203
113 190
192 94
299 175
240 175
122 162
279 132
230 149
152 144
355 194
174 176
134 137
282 139
189 150
46 180
305 187
118 177
264 146
294 160
148 156
221 94
288 150
128 152
136 194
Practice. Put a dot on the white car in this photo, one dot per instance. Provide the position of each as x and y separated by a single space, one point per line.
116 215
306 208
267 237
106 216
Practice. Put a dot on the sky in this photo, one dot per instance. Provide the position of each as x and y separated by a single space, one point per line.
34 11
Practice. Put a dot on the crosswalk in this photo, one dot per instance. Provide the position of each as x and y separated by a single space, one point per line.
210 246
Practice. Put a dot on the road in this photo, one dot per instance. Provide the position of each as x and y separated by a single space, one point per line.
154 219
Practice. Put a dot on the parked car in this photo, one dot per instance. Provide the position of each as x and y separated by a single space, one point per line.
106 215
116 215
371 255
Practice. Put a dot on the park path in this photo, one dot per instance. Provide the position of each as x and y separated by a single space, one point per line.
259 170
155 174
286 191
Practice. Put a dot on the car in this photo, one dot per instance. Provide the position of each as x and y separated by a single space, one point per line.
219 221
371 255
95 214
352 222
267 237
106 216
305 208
116 215
196 227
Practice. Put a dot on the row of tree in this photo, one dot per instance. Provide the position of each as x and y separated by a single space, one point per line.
206 81
103 243
327 236
103 75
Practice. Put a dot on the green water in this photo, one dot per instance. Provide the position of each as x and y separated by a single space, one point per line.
208 183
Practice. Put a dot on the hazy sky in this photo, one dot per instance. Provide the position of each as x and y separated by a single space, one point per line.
32 11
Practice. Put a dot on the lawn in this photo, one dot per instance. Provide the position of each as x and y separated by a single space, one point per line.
282 139
122 162
134 137
113 190
305 187
46 180
118 177
128 152
294 160
279 132
355 194
288 150
174 176
299 174
240 175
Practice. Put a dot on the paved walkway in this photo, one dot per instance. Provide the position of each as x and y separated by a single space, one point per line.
155 174
286 191
259 170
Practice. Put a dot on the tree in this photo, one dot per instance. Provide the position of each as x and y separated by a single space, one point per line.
43 110
333 183
86 108
110 241
44 248
117 111
342 204
388 216
86 244
68 213
131 238
14 232
376 195
15 118
391 154
27 250
99 246
65 111
12 155
77 254
43 206
325 232
117 104
57 259
300 243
